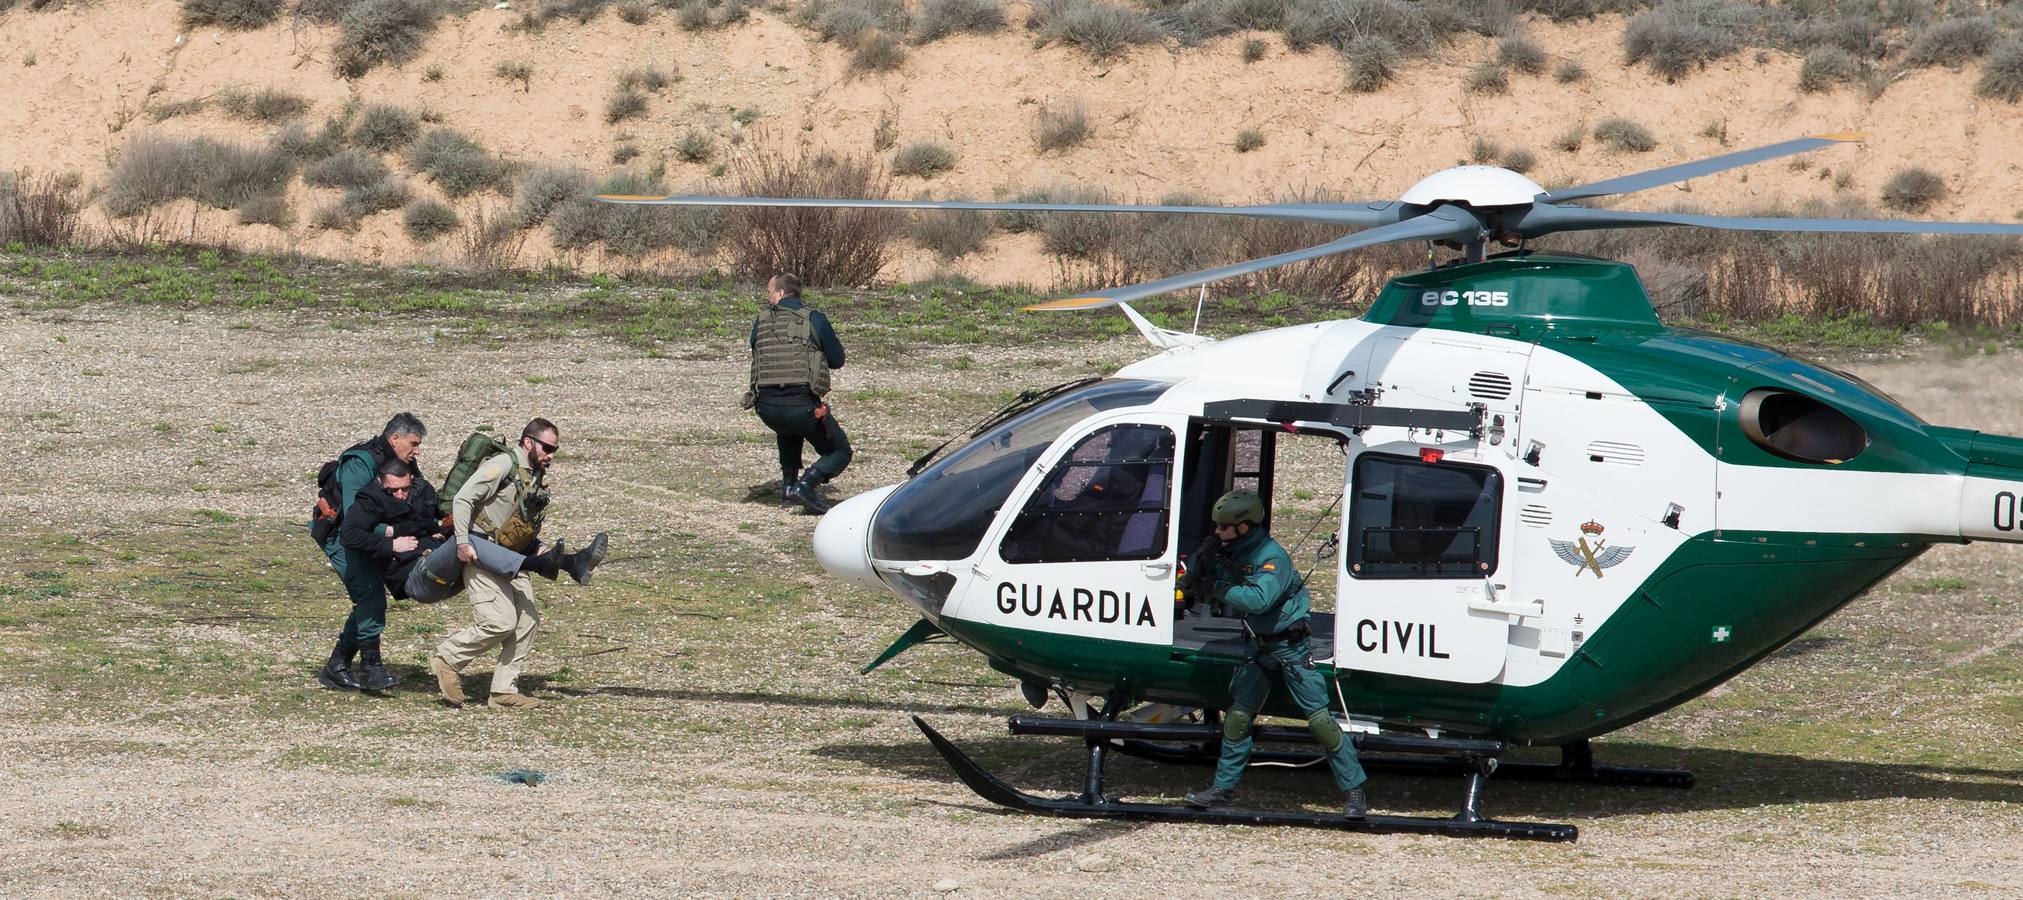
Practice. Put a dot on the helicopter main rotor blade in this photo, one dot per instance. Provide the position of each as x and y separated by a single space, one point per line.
1545 218
1442 223
1373 212
1683 171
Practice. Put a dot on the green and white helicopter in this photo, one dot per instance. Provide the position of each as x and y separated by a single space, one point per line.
1558 515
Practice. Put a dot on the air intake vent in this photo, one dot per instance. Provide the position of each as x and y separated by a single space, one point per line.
1534 515
1615 454
1489 385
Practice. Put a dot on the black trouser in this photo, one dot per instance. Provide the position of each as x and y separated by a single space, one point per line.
791 416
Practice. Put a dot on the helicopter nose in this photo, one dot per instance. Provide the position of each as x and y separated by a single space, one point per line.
843 538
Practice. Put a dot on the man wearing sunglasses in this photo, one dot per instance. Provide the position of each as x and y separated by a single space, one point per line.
1251 575
502 502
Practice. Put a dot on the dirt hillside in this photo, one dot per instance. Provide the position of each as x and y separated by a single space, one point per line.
84 79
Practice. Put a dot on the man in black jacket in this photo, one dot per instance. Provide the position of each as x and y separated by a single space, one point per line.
391 522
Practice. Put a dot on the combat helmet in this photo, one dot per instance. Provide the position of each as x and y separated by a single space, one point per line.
1238 506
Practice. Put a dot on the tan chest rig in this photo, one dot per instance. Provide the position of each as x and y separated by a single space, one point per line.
524 525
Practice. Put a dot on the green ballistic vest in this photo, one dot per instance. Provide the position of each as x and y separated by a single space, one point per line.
788 352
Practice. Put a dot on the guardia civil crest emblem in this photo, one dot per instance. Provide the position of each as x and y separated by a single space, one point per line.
1590 552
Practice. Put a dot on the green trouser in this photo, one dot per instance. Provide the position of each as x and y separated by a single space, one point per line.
793 421
1247 691
362 584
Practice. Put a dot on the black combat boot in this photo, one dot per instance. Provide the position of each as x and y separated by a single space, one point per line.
803 492
373 675
1210 797
579 563
336 674
547 564
787 479
1355 805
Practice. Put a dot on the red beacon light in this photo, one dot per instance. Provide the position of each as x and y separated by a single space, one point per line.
1431 454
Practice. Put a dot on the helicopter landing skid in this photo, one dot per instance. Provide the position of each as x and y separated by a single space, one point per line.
1576 765
1093 804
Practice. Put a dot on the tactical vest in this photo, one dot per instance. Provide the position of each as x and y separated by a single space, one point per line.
787 351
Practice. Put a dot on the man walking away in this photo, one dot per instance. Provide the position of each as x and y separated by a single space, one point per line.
502 501
356 467
793 349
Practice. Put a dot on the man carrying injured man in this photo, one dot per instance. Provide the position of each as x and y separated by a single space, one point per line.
500 503
392 523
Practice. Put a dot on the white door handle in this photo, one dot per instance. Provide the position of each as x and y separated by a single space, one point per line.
1156 570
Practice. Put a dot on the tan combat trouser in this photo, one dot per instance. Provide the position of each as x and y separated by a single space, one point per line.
504 617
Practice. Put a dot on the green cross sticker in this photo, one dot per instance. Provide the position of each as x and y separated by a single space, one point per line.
1721 634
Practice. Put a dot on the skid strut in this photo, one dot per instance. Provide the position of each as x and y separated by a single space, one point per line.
1093 804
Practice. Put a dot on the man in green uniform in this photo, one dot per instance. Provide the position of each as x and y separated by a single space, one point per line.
793 349
502 501
1251 574
357 466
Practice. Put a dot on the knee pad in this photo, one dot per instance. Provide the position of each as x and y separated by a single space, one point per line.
1236 724
1326 730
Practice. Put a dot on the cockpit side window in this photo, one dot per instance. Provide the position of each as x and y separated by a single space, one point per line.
1107 499
1413 519
944 512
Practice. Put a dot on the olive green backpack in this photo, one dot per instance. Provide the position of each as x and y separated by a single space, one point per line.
477 448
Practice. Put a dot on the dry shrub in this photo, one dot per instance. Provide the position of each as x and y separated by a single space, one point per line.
2002 73
349 169
878 52
383 32
1624 136
1254 49
1676 39
1952 42
490 239
1487 77
153 170
1483 150
543 190
240 14
265 105
386 128
267 209
298 143
1521 55
646 78
1247 140
695 145
1372 61
634 12
1913 190
458 164
938 19
1099 29
426 220
852 22
827 247
1060 125
627 103
951 233
1569 72
1826 67
1519 160
923 160
41 210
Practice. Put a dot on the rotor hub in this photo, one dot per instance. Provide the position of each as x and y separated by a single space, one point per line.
1476 186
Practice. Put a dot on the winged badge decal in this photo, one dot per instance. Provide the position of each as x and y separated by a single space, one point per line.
1587 556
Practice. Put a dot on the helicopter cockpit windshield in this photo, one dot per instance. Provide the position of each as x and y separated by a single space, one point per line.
943 512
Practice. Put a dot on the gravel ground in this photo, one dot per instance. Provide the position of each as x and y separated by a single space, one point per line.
705 732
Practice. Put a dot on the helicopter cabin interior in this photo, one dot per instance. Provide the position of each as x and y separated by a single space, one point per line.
1408 519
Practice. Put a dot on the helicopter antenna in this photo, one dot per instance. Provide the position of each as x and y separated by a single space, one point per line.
1198 303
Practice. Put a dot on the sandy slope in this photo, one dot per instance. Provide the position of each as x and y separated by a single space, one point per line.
78 82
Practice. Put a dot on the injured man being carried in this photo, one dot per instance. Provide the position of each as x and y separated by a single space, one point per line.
394 521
